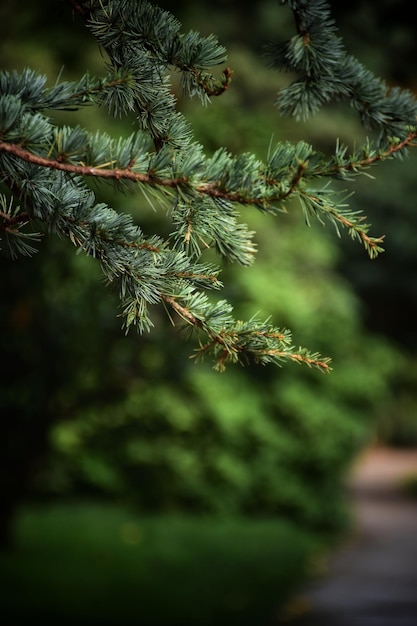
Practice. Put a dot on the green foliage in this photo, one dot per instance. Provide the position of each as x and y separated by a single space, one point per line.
97 414
176 437
327 73
45 166
104 565
161 433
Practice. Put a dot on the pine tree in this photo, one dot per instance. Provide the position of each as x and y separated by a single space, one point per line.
44 167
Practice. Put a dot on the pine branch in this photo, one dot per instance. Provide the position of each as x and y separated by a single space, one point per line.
216 189
272 190
243 342
146 30
44 166
327 73
343 165
12 221
314 203
86 170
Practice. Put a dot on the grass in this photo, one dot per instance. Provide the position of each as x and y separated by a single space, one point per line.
94 564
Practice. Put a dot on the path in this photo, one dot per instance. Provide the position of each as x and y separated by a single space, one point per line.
373 580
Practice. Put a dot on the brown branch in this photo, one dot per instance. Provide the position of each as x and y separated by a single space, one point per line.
407 142
185 313
296 179
372 242
182 311
192 276
209 188
86 170
125 174
17 220
299 358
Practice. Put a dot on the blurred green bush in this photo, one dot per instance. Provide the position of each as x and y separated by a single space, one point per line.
99 565
92 414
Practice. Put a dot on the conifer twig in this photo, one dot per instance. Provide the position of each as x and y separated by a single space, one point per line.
206 188
44 165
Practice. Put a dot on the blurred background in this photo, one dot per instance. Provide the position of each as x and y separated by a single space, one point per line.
137 487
